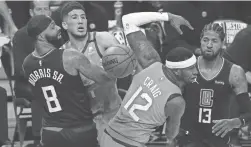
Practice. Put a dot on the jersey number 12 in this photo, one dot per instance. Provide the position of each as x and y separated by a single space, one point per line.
137 106
52 98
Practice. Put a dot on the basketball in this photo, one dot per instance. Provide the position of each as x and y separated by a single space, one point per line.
119 61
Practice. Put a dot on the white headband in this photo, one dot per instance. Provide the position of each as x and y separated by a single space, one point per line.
182 64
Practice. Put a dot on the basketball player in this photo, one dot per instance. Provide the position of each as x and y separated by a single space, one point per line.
55 78
93 44
207 116
154 96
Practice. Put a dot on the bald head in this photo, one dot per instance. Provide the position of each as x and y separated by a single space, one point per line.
38 7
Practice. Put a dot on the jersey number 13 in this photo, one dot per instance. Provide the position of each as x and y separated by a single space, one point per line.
206 102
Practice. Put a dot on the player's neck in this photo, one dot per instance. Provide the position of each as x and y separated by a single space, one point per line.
78 43
210 64
43 47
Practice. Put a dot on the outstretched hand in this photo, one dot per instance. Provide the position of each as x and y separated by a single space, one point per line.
223 126
176 21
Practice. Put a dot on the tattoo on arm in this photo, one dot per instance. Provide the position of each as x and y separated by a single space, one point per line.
143 49
91 71
238 80
78 62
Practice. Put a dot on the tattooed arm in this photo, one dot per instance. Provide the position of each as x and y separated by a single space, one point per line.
76 62
144 51
239 83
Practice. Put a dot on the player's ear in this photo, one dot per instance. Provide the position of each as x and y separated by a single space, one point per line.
64 25
31 12
177 72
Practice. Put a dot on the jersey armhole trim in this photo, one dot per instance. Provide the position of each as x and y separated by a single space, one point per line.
96 45
173 96
88 41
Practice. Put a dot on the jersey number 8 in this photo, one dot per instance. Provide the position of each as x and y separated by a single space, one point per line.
137 106
52 98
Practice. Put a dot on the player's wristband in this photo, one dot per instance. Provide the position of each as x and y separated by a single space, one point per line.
243 122
244 103
245 119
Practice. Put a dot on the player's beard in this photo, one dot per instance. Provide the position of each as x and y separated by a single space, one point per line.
212 56
53 39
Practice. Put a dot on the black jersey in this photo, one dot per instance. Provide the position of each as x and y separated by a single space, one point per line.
208 100
63 96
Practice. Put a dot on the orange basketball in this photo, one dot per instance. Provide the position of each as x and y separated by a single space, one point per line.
119 61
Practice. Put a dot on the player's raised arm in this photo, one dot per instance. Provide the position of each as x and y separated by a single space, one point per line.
144 51
238 80
80 63
142 18
174 111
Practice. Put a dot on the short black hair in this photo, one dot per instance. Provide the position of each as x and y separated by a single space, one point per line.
69 6
214 27
179 54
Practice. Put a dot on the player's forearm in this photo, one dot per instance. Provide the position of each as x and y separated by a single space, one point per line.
101 77
172 130
8 21
142 18
245 107
144 51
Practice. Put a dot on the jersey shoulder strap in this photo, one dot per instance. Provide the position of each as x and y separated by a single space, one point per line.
93 39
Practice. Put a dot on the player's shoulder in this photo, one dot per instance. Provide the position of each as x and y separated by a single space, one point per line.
21 31
106 39
176 104
27 59
237 74
20 36
73 57
155 66
177 100
71 54
236 70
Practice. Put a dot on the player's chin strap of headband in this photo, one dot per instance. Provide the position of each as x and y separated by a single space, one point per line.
182 64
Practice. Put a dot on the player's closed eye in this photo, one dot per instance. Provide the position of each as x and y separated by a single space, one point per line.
39 9
74 17
83 16
215 41
205 40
